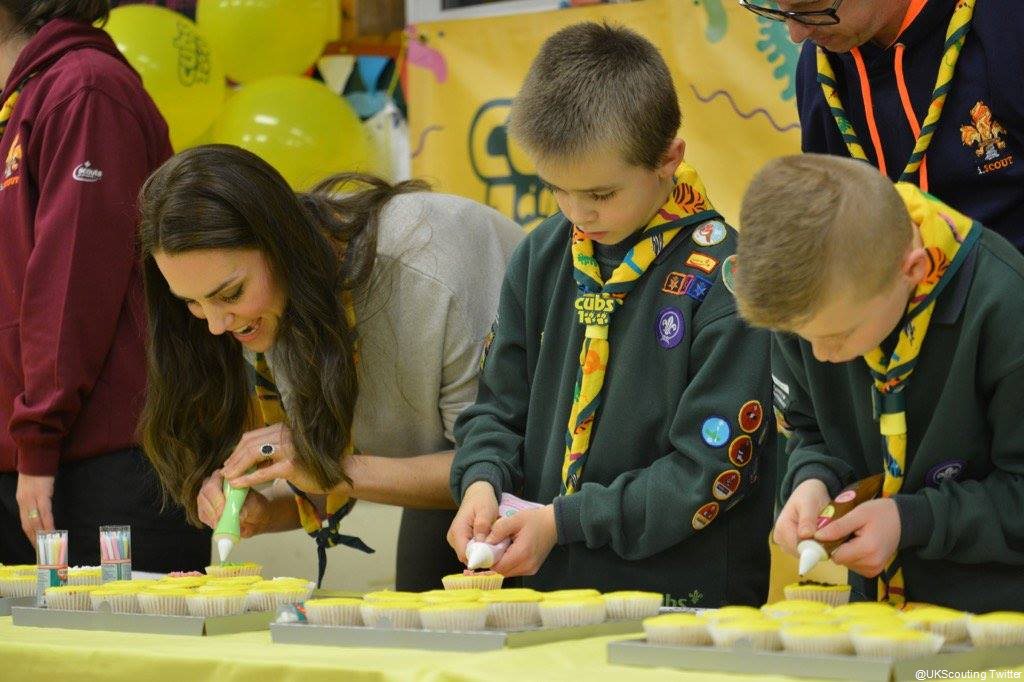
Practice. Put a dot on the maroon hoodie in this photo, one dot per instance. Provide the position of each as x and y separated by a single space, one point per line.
82 138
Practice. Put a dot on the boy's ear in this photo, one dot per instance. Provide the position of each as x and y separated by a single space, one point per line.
671 158
915 265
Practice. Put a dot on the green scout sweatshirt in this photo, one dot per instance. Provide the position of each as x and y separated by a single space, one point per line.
962 502
676 493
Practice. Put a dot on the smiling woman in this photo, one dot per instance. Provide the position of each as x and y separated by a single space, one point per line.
356 319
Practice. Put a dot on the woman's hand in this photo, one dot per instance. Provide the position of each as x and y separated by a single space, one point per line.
254 517
271 452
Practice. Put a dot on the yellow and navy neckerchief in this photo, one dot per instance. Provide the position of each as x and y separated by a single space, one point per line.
322 528
597 300
948 238
956 32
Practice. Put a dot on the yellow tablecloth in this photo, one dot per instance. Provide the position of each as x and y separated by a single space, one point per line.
80 655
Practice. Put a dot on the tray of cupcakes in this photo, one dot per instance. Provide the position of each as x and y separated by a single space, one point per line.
815 633
227 598
471 613
17 586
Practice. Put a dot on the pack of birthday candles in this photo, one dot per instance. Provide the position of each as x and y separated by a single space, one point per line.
116 552
51 561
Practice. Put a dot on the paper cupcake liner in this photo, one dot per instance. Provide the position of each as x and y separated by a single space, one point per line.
881 646
995 634
951 631
830 597
454 620
837 643
512 615
212 605
632 607
396 618
119 603
84 579
13 587
269 601
335 614
482 581
723 635
566 614
68 601
695 634
369 614
163 605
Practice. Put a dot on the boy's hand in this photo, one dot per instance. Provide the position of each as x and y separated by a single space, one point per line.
533 535
875 527
798 519
475 517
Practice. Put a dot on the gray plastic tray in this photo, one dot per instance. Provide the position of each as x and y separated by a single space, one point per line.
483 640
962 658
137 622
7 602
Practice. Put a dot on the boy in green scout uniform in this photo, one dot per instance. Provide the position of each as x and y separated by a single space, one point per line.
621 390
898 350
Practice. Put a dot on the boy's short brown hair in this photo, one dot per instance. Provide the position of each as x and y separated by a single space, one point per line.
812 226
595 85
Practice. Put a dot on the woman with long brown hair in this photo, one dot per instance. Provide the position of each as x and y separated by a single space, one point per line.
355 313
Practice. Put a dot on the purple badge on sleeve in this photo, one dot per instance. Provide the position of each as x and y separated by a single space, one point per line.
670 327
950 470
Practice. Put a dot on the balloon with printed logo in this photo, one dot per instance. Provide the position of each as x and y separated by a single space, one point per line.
179 70
260 38
298 126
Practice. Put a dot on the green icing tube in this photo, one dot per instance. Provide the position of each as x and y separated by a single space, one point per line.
227 533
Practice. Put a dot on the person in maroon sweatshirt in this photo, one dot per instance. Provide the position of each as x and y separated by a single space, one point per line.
78 135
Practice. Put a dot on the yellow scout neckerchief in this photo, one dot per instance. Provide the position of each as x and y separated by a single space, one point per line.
323 529
597 300
955 34
948 237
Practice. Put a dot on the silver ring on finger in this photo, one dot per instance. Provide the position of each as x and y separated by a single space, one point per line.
267 450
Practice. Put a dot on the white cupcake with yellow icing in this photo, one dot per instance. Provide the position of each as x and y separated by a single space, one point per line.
632 605
999 628
681 629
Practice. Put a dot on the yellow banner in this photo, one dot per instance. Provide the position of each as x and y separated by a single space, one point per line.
733 72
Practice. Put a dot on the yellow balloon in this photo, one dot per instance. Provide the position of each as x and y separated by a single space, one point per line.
260 38
179 70
298 126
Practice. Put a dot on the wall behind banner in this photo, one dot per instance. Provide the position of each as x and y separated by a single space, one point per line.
733 72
